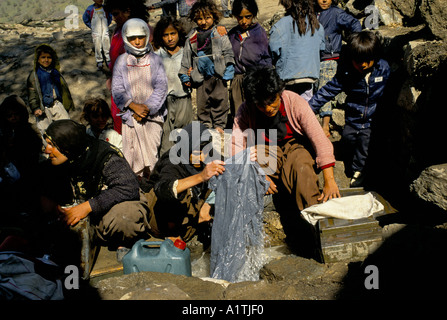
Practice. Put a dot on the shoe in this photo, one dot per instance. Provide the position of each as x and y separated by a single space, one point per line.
357 179
99 66
227 13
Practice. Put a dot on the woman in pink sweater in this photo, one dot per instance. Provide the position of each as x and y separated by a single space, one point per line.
284 124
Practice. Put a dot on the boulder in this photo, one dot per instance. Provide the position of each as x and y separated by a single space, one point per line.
431 185
434 13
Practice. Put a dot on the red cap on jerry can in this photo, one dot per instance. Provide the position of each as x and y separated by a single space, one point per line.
180 244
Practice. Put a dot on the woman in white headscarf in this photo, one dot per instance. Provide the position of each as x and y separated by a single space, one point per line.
139 89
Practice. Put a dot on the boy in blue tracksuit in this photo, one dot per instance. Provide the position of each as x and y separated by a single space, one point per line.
363 77
98 20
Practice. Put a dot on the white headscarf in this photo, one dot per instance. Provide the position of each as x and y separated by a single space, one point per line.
136 27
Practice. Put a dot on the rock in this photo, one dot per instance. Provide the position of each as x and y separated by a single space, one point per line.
58 36
423 58
164 291
262 290
434 12
387 12
407 8
292 269
408 96
158 286
273 229
431 185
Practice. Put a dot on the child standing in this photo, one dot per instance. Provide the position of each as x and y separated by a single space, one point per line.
48 94
362 75
334 20
98 20
139 88
97 114
121 12
295 43
250 47
208 64
169 37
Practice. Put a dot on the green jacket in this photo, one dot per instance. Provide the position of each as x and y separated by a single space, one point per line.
33 85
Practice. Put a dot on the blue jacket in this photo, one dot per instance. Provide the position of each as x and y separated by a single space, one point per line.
334 21
252 51
88 14
295 56
362 97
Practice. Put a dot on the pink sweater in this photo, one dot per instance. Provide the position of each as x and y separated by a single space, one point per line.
302 120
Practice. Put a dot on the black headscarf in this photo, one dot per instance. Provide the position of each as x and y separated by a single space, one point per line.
87 155
69 137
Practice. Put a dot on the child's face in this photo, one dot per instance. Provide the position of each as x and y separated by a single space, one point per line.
120 16
12 116
363 67
245 19
98 120
138 42
45 59
271 109
170 38
324 4
98 2
204 20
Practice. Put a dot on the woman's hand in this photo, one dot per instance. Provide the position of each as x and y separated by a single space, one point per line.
330 188
212 169
140 110
73 215
272 186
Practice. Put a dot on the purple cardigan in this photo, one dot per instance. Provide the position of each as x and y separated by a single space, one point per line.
121 91
252 51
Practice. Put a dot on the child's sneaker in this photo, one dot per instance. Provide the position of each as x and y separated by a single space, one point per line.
99 66
357 179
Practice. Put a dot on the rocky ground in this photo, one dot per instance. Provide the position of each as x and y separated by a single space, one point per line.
409 261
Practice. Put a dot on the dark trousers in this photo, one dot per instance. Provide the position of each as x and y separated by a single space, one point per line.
355 146
212 103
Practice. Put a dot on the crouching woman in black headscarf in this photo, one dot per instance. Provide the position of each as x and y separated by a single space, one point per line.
178 186
104 186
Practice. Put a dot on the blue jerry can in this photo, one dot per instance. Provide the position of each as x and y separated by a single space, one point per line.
158 256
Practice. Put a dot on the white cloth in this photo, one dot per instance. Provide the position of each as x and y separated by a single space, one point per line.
347 208
53 113
109 135
136 27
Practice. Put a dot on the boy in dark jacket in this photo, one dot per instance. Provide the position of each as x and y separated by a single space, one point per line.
363 77
335 21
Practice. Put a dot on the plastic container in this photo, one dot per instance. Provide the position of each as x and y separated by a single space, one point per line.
158 256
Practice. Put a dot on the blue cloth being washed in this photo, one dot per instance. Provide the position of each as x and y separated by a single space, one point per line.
237 236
